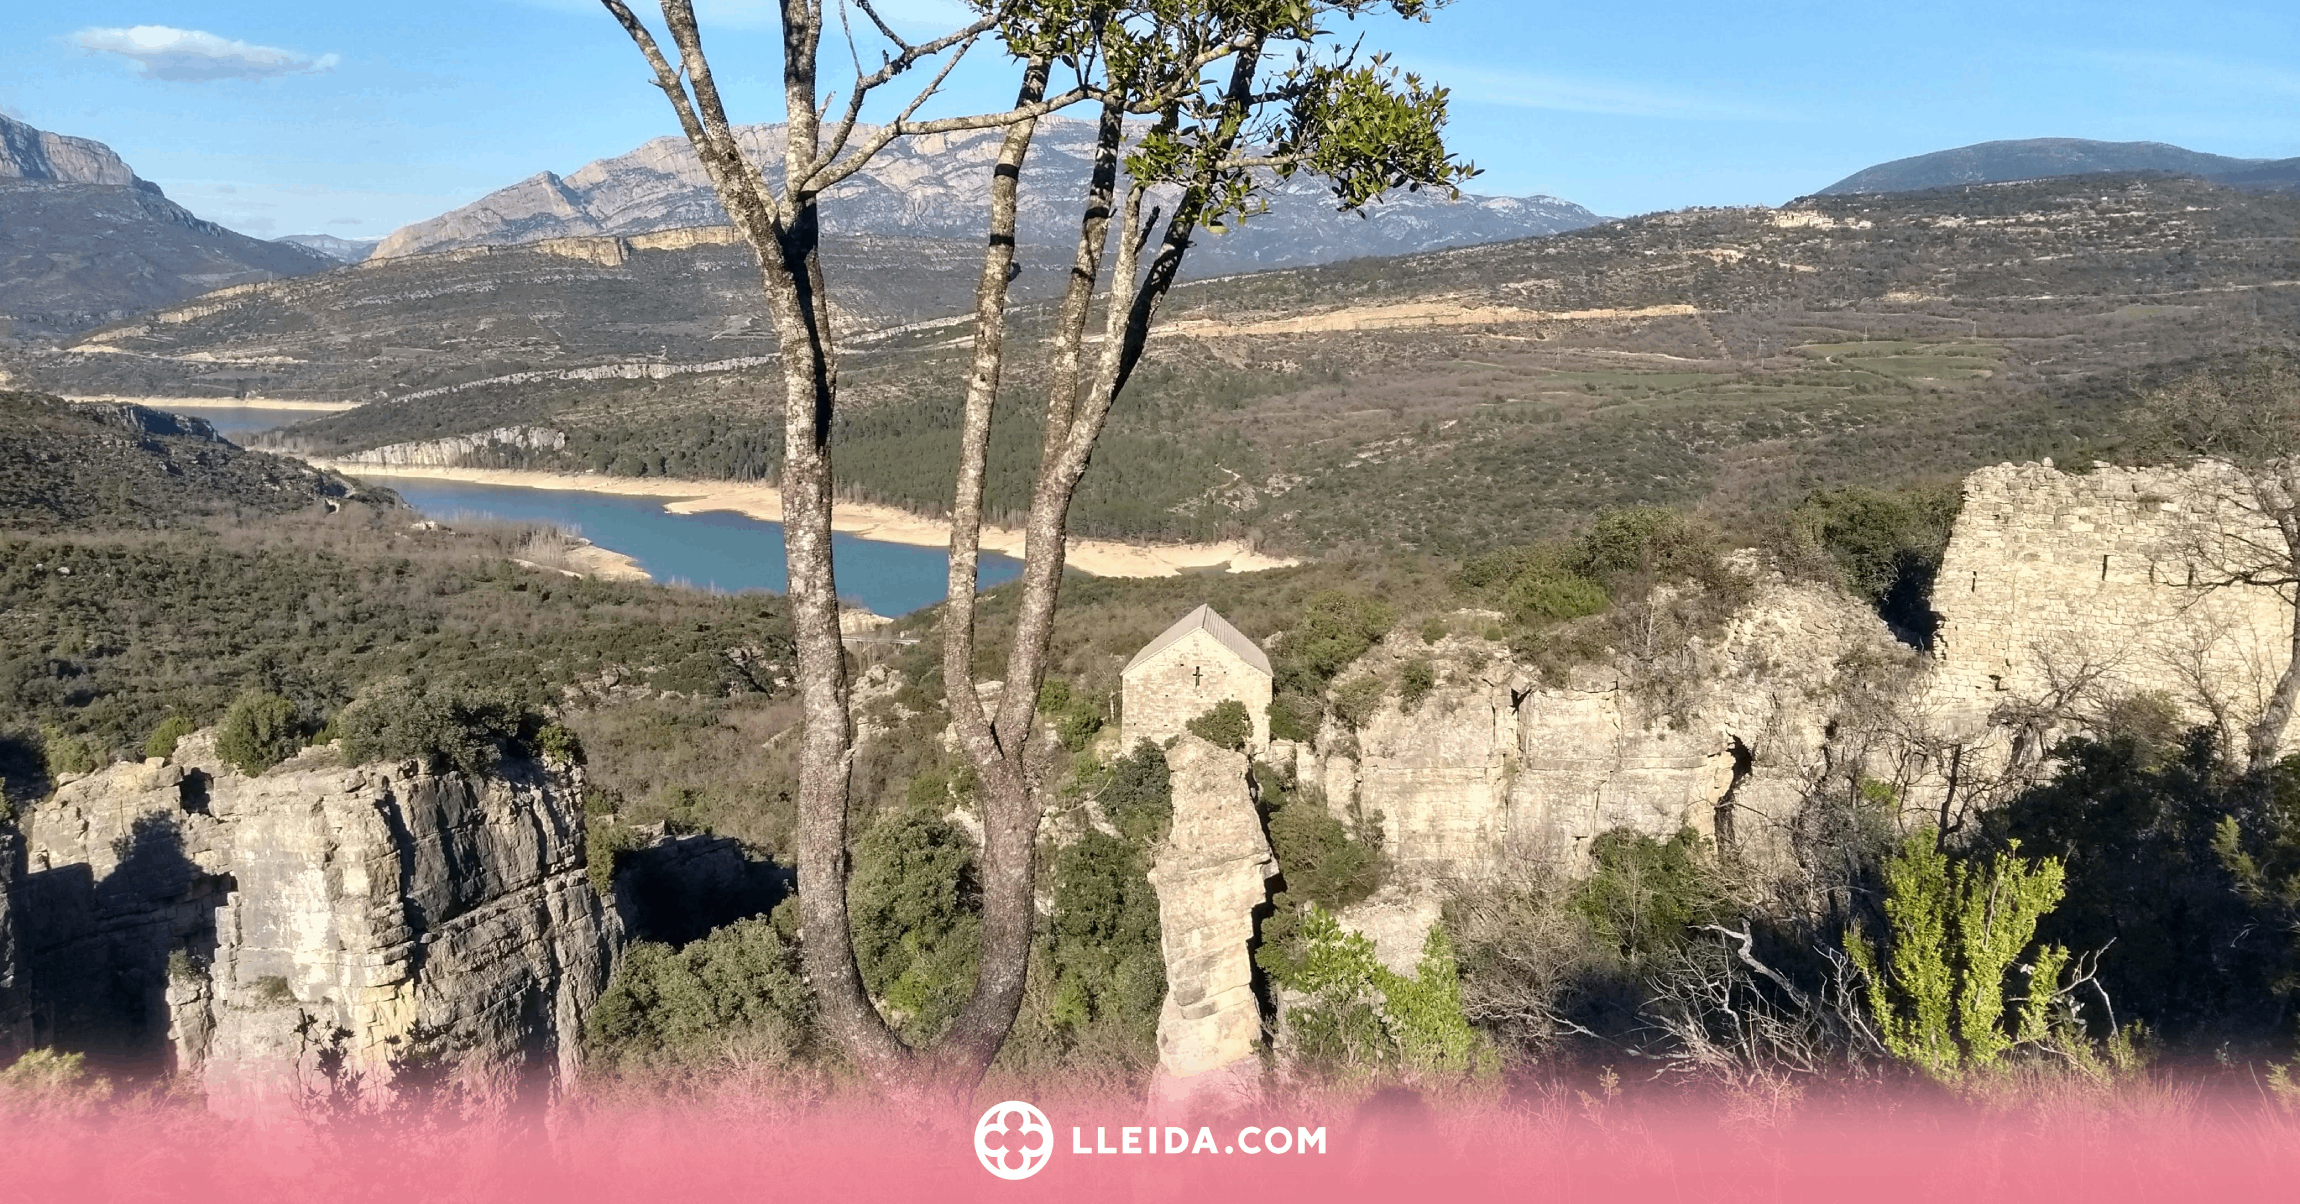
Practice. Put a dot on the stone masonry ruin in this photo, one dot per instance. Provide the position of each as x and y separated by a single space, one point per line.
2101 583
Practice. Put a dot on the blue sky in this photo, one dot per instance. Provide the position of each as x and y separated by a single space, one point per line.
280 118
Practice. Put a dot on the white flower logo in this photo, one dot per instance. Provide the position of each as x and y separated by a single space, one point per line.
1002 1140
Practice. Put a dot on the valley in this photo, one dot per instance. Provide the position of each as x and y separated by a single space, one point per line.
1726 360
1496 646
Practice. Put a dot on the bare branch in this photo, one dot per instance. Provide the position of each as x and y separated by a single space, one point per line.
865 84
827 177
891 36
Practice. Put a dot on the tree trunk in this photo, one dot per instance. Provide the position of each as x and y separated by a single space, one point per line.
2266 734
1004 791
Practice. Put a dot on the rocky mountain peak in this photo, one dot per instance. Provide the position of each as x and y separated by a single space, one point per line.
27 153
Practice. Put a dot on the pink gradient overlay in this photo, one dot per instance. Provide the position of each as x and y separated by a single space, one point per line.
693 1156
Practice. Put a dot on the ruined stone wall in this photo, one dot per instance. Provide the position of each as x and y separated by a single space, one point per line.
2054 580
249 931
1187 679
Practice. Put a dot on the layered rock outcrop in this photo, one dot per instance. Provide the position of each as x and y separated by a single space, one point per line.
1211 875
27 153
459 449
1494 765
321 929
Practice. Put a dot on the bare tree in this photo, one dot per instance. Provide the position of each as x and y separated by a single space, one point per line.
2245 423
1222 123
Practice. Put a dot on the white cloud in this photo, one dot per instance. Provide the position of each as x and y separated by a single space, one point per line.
165 52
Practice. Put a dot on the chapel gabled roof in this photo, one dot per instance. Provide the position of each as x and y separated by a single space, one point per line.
1203 619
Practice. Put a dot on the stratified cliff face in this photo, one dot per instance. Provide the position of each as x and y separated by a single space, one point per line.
2108 583
317 930
1211 875
27 153
1493 766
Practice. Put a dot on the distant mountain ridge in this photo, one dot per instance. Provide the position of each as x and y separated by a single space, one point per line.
84 240
928 188
342 250
2044 158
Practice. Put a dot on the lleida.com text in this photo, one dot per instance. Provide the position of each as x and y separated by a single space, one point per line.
1147 1139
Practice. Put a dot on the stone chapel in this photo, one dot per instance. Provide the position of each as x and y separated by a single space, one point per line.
1187 671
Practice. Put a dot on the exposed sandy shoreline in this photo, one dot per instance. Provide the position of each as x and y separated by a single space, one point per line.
212 403
588 559
886 524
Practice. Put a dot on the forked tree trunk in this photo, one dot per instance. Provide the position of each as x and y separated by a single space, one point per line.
784 234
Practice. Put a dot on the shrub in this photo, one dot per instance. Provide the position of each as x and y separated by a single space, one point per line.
163 739
1883 547
915 903
1357 700
1138 795
1324 861
1936 989
1553 595
1415 681
64 753
258 732
1433 629
462 729
1642 894
1228 725
1336 629
1108 965
50 1085
1362 1016
1325 864
1075 716
605 843
1295 717
740 986
555 743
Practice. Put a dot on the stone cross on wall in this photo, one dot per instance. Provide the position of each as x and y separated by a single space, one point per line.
1192 667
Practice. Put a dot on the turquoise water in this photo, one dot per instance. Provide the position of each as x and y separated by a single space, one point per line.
713 550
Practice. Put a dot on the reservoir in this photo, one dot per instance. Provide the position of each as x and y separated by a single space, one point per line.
715 550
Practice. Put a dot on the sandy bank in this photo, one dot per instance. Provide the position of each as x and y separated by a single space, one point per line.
586 559
886 524
221 403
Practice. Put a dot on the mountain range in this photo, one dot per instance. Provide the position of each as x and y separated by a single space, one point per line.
2044 158
84 240
929 187
342 250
